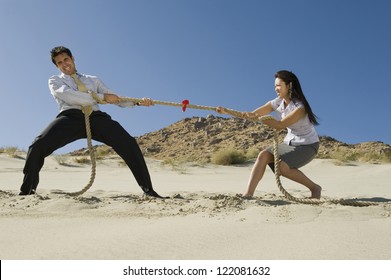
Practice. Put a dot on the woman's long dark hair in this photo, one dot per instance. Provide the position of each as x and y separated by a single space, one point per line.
296 92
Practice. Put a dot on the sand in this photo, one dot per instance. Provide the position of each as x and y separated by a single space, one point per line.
203 219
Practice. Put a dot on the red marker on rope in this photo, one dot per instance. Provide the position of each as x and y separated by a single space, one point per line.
184 103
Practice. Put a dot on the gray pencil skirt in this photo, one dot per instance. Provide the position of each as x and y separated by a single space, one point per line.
295 156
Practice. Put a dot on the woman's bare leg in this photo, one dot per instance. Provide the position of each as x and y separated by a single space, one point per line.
257 172
299 177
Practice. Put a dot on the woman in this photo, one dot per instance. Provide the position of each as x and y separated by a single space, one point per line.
301 143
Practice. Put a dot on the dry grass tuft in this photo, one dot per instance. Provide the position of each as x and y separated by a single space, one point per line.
228 157
12 152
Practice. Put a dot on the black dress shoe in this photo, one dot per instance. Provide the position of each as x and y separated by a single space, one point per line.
24 193
152 193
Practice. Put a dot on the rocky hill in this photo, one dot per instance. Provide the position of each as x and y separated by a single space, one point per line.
198 139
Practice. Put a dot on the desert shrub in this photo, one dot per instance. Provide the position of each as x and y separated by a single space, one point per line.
344 156
228 157
252 153
377 157
101 152
61 159
82 160
177 166
10 151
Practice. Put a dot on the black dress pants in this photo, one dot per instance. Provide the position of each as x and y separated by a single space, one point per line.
69 126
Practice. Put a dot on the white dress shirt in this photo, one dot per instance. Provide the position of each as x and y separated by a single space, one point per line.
65 91
301 132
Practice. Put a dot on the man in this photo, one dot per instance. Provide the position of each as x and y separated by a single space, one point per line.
70 91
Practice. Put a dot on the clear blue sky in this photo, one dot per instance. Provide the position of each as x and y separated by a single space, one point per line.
212 52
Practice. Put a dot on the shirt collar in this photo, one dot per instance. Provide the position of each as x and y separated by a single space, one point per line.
62 75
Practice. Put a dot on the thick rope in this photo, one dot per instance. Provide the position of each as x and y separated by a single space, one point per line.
87 111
